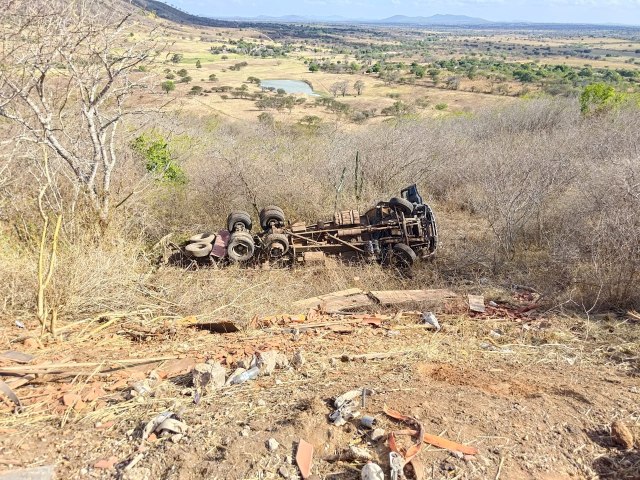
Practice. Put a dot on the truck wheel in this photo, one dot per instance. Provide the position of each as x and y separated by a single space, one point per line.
198 249
403 257
269 215
241 246
405 206
202 238
239 221
276 245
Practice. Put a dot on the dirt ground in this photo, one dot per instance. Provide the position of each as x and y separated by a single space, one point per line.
535 394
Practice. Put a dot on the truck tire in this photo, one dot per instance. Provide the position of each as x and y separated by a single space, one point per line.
403 256
269 215
203 238
198 249
239 221
241 246
276 245
405 206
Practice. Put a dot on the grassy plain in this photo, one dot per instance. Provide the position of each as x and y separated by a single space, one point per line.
497 55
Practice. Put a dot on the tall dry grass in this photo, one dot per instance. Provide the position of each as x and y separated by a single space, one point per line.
531 194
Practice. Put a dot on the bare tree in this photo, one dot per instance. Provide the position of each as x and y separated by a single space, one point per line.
341 88
66 72
358 86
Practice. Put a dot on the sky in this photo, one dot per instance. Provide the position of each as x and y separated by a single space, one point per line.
556 11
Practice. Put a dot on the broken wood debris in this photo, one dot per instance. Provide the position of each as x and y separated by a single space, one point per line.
476 303
356 298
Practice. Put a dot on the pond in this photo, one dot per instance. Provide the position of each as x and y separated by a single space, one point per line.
289 86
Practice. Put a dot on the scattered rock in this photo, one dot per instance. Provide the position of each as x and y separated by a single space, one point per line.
246 430
621 435
378 434
137 474
207 377
272 444
298 359
267 362
357 453
372 471
261 403
247 362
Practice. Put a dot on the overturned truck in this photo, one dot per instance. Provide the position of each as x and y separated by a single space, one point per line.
394 233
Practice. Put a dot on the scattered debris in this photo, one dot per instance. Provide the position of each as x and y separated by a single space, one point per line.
106 463
11 395
356 298
346 406
17 357
394 297
368 421
217 326
19 324
244 376
371 471
304 458
358 453
272 444
476 303
166 423
298 359
46 472
430 319
371 356
268 361
621 435
207 377
378 434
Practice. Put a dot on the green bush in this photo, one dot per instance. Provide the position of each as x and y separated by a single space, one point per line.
158 160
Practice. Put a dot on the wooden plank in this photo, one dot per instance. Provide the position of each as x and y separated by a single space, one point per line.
392 297
476 303
339 304
313 302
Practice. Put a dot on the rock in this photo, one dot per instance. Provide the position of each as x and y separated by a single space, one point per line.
282 361
358 453
272 444
261 403
246 362
371 471
378 434
621 435
246 430
267 362
283 471
208 377
177 437
298 359
140 473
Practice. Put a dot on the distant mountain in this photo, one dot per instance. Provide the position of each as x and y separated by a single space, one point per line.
290 19
434 20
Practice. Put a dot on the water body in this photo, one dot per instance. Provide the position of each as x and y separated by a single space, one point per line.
289 86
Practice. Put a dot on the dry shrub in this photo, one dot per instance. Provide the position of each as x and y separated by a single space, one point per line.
530 194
